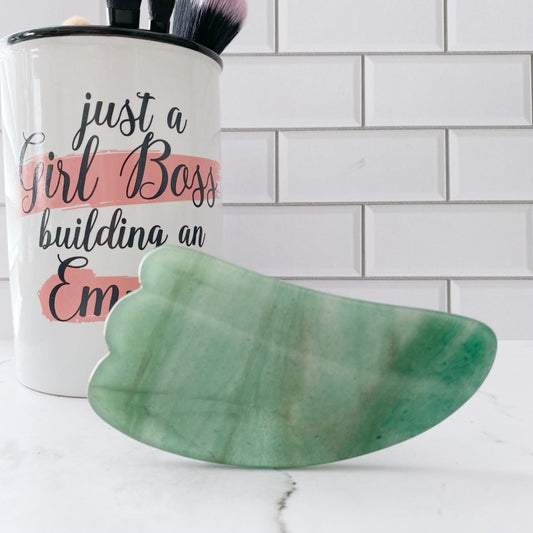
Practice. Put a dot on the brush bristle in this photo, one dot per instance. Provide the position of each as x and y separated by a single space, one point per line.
234 9
211 23
219 23
186 13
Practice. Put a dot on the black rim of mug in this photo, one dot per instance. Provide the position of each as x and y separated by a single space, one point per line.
62 31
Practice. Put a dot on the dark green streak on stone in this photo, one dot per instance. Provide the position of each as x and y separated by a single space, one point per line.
218 363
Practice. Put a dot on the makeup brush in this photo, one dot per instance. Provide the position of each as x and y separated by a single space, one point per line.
160 13
211 23
124 13
186 15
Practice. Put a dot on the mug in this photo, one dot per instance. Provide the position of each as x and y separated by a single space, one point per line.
111 148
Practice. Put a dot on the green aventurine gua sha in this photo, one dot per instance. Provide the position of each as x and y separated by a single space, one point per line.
214 362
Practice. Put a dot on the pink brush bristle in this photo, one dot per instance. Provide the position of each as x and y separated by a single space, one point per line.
235 9
211 23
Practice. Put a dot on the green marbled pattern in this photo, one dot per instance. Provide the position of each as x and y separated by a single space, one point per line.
218 363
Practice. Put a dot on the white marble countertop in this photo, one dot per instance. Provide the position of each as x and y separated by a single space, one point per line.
64 470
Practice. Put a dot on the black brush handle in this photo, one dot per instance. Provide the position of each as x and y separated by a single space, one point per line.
160 13
124 13
160 27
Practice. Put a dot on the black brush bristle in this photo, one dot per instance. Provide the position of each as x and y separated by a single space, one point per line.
211 23
186 13
160 13
216 27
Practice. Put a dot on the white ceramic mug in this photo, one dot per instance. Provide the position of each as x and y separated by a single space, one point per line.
112 148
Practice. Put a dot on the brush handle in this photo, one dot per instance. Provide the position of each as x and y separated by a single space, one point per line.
160 14
124 18
159 26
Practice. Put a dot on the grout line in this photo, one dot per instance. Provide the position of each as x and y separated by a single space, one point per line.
408 278
276 27
363 92
276 171
531 82
363 241
524 203
355 53
449 295
395 278
376 128
445 23
447 163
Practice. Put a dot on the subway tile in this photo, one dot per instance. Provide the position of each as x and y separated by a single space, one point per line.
4 264
291 91
2 173
494 25
419 294
145 16
360 25
491 165
448 90
21 16
258 32
248 167
452 240
6 321
506 306
352 166
295 241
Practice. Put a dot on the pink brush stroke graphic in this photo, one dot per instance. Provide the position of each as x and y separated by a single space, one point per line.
110 175
86 297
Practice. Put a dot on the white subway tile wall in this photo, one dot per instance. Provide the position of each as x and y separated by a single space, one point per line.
422 294
504 305
374 149
448 90
354 166
362 25
449 240
291 91
295 241
259 33
491 165
19 16
496 25
249 167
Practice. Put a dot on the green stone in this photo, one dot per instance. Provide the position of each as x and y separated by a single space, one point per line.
214 362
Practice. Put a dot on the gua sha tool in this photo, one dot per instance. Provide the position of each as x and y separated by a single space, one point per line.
214 362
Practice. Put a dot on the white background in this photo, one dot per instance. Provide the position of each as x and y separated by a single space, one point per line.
373 148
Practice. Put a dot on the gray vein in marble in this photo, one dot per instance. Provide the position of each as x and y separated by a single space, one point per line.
503 409
283 501
493 438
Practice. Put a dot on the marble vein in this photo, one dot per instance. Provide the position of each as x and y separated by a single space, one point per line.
284 500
